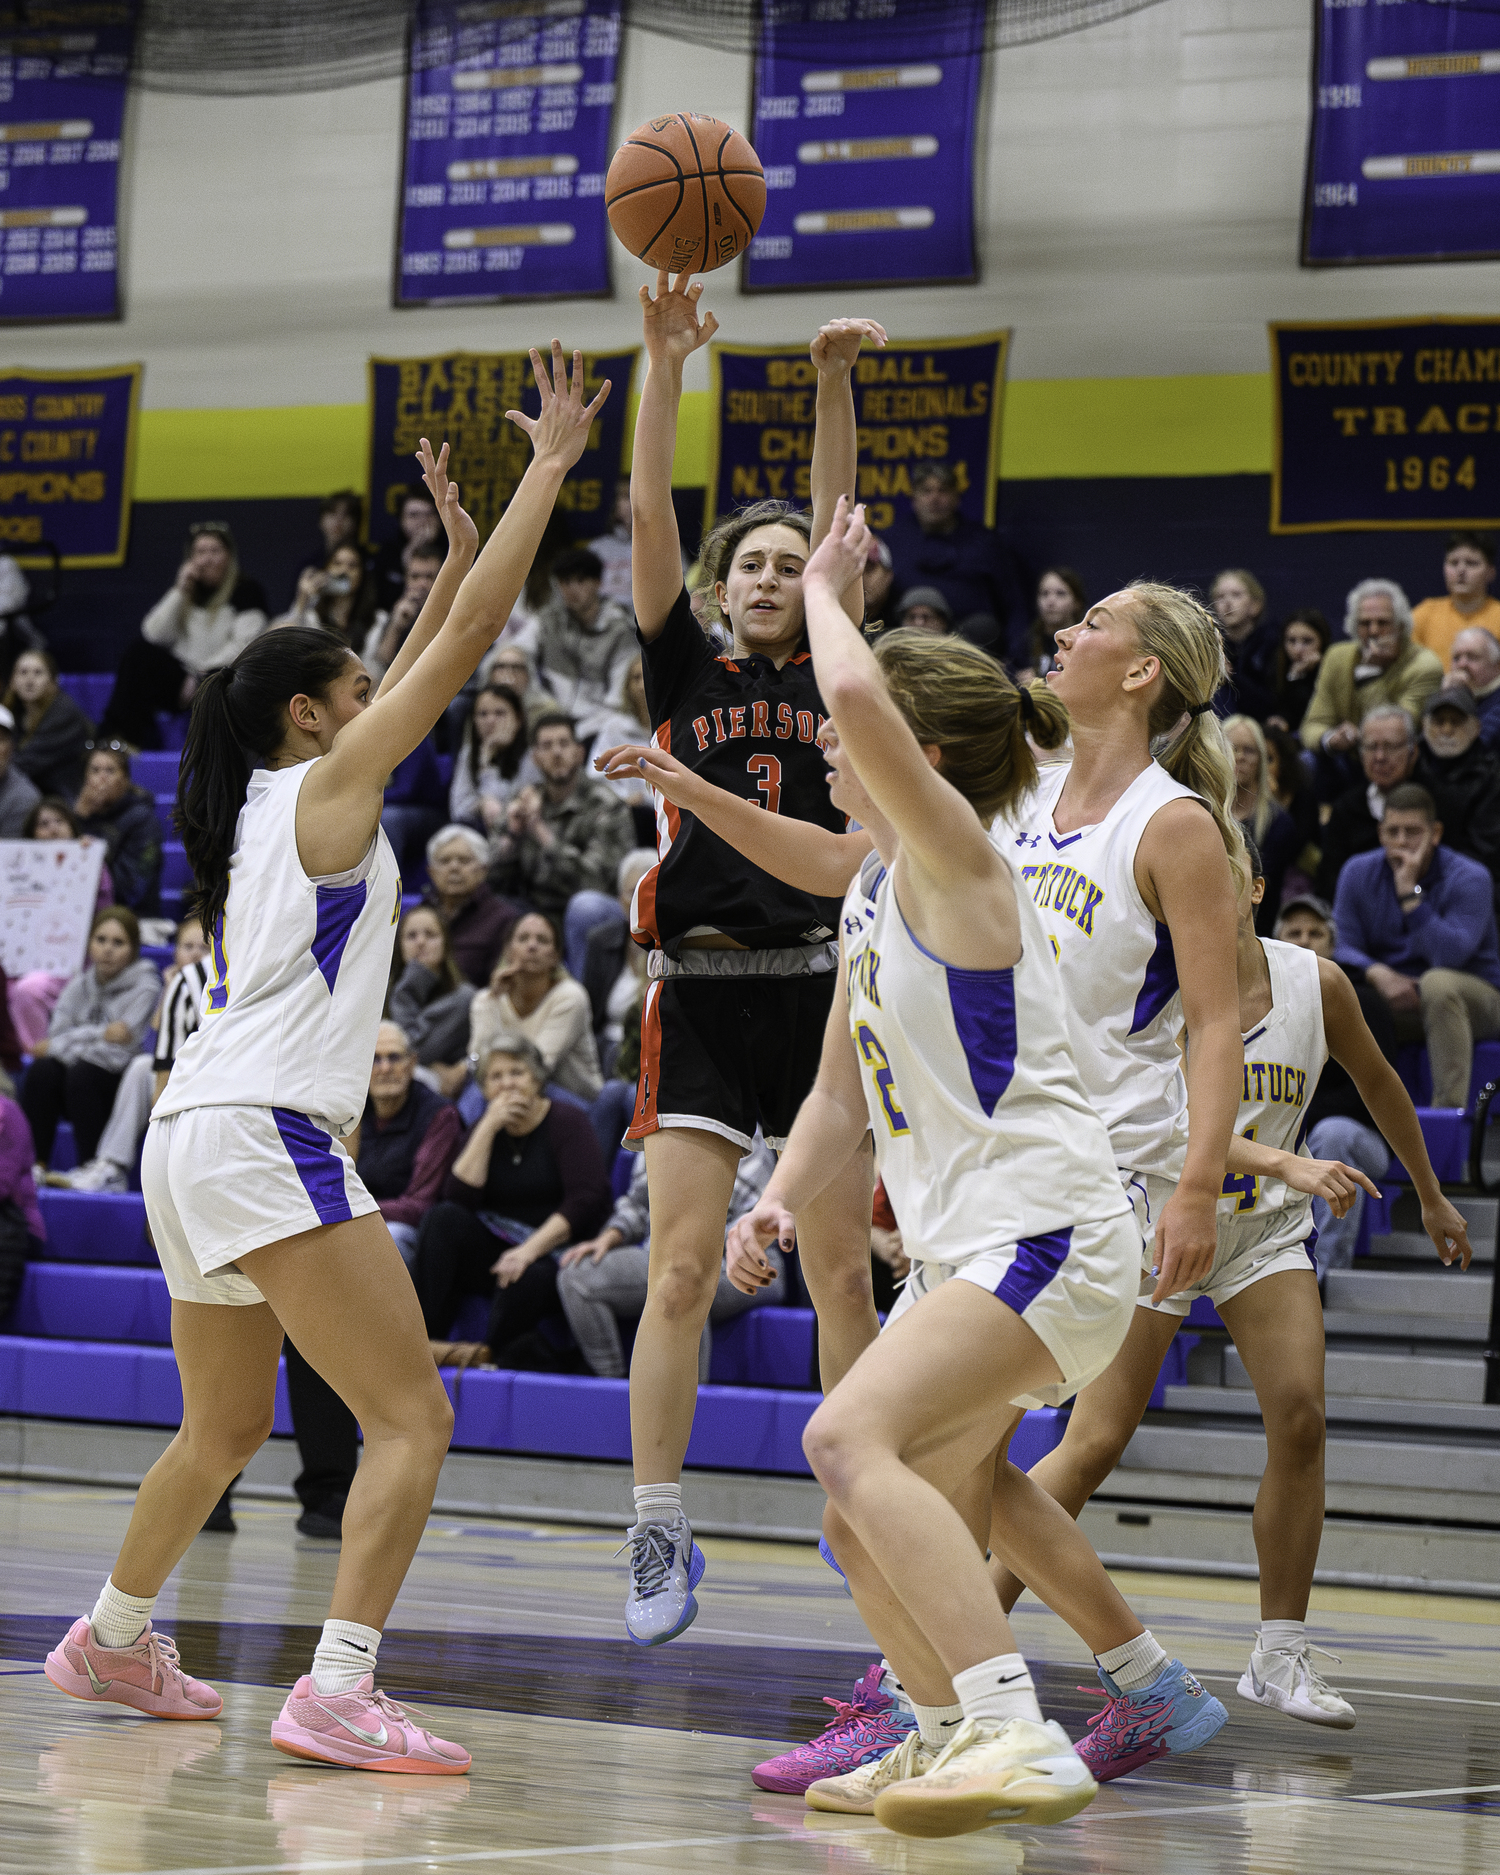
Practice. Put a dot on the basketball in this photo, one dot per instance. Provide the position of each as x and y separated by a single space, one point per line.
685 192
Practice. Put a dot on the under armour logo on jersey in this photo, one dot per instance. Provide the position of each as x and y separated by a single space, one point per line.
1028 839
853 926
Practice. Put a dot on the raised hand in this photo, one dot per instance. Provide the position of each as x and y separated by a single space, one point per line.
561 432
463 535
672 326
836 345
636 761
839 559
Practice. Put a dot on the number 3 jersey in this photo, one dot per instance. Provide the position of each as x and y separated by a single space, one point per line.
750 729
982 1129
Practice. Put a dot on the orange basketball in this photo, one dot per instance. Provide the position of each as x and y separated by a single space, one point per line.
685 192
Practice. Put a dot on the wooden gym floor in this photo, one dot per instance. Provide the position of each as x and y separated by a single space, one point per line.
594 1757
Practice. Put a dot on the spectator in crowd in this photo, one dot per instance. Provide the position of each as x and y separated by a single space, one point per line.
478 920
1299 657
17 633
387 633
1378 665
587 642
529 1181
1338 1122
1468 573
1292 791
420 526
429 1000
1061 601
511 665
1388 753
19 794
416 805
111 807
211 613
1476 662
1256 809
51 730
143 1080
531 994
408 1139
95 1030
938 545
614 971
630 723
1419 920
612 550
602 1281
1462 776
340 597
922 609
341 523
878 580
561 845
1250 639
33 997
494 759
23 1234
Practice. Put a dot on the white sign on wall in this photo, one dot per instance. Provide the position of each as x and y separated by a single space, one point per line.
48 892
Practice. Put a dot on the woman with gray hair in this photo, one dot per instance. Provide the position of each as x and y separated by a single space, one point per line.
479 920
1378 664
529 1181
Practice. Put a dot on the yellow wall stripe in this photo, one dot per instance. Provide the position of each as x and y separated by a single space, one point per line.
1054 427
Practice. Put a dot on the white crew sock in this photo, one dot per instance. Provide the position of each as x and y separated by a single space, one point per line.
657 1503
346 1653
937 1724
1281 1637
997 1690
119 1620
1136 1664
893 1689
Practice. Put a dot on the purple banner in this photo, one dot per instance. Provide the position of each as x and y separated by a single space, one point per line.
67 452
865 122
508 120
62 110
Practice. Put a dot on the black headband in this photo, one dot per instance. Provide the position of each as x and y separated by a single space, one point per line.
1028 707
1197 709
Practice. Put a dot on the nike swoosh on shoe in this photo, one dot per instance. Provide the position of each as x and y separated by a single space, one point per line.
370 1738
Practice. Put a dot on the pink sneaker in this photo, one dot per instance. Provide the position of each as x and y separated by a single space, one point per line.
864 1727
364 1730
147 1676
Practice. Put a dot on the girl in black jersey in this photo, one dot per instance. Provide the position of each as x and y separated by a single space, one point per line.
742 968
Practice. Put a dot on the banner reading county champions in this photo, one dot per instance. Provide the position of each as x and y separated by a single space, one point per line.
507 141
1404 157
67 462
936 400
866 130
62 110
461 399
1384 424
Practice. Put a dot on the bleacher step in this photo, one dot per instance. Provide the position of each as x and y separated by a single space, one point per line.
1345 1409
1415 1246
1430 1303
1363 1459
1385 1374
1355 1324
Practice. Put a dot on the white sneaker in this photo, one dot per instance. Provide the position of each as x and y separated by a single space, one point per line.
1018 1772
96 1175
854 1792
666 1565
1287 1681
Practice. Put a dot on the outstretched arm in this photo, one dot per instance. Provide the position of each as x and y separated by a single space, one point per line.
835 431
463 541
672 332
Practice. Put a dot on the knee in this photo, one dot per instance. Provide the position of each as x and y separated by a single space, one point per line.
683 1291
1438 989
1296 1431
1094 1449
226 1447
831 1447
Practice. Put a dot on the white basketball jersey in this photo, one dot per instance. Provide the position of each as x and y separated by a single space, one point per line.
298 973
1284 1056
1119 975
983 1132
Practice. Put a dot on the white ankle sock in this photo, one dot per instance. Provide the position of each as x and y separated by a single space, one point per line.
893 1689
1136 1664
657 1503
346 1653
998 1690
118 1619
1281 1637
937 1724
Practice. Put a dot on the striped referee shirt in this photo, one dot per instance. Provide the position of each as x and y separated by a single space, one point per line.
179 1015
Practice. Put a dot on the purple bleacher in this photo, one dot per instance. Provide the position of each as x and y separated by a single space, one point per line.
765 1347
159 954
621 1172
1416 1072
64 1149
85 1380
172 728
72 1301
90 690
176 873
1446 1133
156 771
96 1227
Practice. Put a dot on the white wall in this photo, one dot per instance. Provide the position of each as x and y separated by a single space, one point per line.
1140 203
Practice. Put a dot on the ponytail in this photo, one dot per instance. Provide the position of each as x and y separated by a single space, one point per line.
239 714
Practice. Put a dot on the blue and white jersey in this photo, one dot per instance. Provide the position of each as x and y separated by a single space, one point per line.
1118 971
298 973
983 1132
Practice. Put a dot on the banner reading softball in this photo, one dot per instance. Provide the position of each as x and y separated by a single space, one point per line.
1386 423
1404 157
62 111
67 461
866 128
936 400
509 104
461 399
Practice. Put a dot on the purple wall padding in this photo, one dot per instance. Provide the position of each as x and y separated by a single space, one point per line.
96 1227
71 1301
84 1380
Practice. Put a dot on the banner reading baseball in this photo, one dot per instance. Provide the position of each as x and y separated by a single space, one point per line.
932 400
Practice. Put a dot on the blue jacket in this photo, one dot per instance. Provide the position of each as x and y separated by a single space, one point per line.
1453 928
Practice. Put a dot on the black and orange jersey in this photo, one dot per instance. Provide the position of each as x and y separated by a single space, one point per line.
751 730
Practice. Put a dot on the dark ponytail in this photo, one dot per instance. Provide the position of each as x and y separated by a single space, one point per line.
239 716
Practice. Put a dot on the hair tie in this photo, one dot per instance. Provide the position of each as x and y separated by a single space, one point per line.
1197 709
1028 707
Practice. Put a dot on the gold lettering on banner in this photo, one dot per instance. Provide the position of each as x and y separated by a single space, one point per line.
1390 420
1357 370
1350 419
1434 422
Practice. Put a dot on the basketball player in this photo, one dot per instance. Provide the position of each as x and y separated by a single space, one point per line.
259 1218
741 969
951 1048
1295 1010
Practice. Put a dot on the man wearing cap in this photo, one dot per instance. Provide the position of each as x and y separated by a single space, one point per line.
924 609
1388 753
18 792
1476 663
938 545
1462 776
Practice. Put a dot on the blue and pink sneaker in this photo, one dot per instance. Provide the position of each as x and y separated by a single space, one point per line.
1171 1715
865 1726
